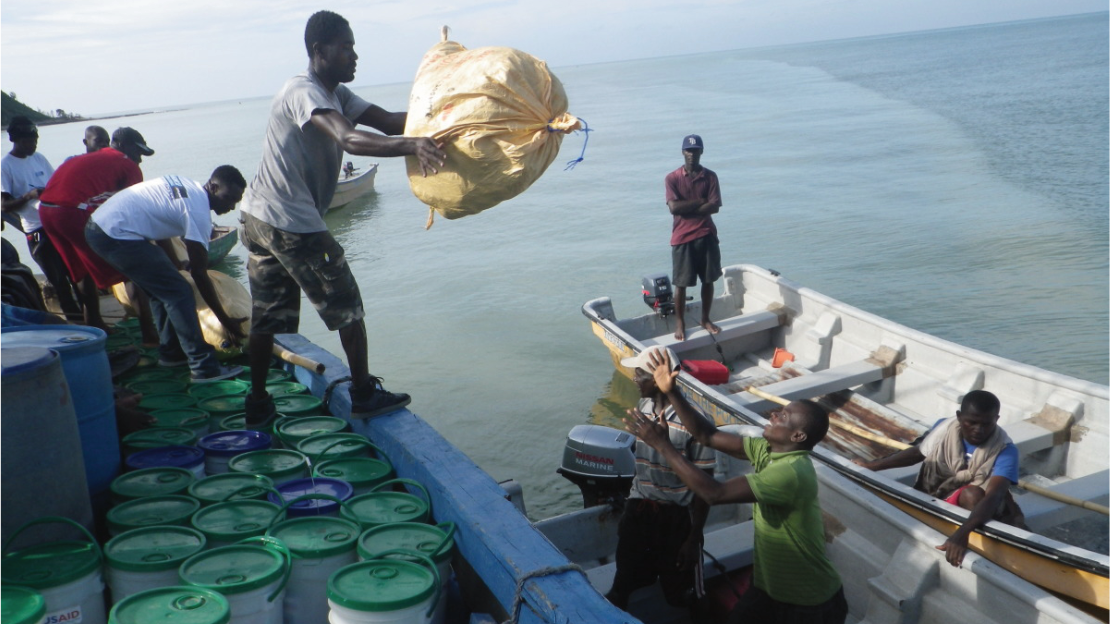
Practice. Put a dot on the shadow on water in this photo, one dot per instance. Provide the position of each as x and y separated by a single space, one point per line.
619 395
347 218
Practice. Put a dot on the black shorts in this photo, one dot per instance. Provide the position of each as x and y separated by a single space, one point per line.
697 259
650 535
757 606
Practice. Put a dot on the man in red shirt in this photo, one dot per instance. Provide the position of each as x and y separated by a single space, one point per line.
75 190
693 197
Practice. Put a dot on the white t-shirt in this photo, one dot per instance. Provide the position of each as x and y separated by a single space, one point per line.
300 164
158 209
20 175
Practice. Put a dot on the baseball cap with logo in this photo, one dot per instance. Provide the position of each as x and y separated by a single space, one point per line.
692 142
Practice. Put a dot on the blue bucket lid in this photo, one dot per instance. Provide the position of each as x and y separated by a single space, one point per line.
312 485
16 360
65 339
178 456
231 443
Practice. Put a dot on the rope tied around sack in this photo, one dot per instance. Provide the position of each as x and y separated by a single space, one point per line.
518 598
586 131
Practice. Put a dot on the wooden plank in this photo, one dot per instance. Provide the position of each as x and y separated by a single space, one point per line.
813 385
494 538
731 328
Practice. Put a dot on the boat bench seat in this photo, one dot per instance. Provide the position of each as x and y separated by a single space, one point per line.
731 328
815 384
1042 512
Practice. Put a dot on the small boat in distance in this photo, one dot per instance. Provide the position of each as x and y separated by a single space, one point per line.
223 239
886 384
350 189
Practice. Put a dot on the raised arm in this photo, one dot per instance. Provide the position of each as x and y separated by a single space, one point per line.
703 431
363 143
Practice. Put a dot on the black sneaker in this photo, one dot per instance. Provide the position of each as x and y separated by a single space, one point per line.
260 413
376 400
220 374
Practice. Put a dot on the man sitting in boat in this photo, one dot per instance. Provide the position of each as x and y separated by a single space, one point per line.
158 210
793 579
968 461
660 533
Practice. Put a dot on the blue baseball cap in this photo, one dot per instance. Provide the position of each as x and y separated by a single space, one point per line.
692 142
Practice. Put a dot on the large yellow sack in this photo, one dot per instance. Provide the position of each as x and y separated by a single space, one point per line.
501 116
233 296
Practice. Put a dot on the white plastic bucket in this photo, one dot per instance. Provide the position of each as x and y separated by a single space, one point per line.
187 605
384 591
433 541
66 573
252 575
320 546
148 558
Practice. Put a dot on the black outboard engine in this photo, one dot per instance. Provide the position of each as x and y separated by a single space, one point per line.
658 293
600 462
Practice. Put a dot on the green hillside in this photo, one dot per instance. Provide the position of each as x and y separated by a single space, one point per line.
10 107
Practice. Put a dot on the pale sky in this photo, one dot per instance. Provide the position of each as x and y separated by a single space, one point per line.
101 56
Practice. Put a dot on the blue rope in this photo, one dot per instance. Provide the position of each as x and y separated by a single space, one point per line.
585 130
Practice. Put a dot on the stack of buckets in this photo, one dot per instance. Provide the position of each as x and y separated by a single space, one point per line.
297 525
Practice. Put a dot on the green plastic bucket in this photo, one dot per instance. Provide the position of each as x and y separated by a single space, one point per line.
165 401
219 388
156 437
224 524
151 511
291 431
176 604
161 481
384 591
146 374
326 446
281 465
186 417
230 486
21 605
148 558
157 386
66 573
221 406
251 577
320 546
277 388
298 405
386 507
274 374
437 543
363 473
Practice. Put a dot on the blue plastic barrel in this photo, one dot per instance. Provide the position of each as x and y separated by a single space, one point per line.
86 369
41 469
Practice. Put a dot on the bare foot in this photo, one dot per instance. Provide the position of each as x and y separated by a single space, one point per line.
680 333
710 327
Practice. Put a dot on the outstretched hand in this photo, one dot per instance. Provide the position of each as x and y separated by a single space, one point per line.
653 433
662 369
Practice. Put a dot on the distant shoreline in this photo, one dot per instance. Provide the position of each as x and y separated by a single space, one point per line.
54 121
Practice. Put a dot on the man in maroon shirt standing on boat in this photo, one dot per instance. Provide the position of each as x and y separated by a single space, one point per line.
693 197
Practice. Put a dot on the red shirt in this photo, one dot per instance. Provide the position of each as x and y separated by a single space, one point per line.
681 186
83 177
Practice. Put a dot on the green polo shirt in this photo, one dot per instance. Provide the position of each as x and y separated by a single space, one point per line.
790 560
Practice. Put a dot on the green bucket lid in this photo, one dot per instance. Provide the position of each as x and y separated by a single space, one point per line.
21 605
153 549
235 520
233 569
218 388
224 405
239 485
335 446
187 417
155 437
169 400
117 340
381 585
277 388
148 373
157 386
273 463
161 481
179 605
360 472
50 565
422 538
293 430
151 511
377 508
298 404
274 374
316 537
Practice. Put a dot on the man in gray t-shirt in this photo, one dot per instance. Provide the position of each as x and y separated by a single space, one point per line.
312 122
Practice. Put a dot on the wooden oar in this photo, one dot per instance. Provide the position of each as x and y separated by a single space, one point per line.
298 360
863 433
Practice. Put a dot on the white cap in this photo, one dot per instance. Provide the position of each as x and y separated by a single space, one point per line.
644 358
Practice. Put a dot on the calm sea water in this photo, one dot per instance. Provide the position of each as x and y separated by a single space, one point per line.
954 181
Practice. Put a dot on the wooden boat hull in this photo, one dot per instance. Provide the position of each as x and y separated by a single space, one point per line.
224 238
351 189
903 373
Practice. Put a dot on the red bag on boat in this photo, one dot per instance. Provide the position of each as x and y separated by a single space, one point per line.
706 371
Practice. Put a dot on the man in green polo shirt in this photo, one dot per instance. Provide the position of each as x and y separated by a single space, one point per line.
793 579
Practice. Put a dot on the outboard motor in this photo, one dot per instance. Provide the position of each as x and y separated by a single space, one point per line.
658 293
600 462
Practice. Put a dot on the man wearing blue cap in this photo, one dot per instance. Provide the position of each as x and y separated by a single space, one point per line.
693 197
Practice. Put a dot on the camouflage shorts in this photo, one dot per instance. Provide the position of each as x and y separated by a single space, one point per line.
282 264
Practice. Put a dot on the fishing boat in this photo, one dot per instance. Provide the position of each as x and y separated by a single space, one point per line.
222 241
887 384
350 189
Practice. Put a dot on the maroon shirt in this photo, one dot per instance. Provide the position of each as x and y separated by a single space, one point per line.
83 177
682 186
